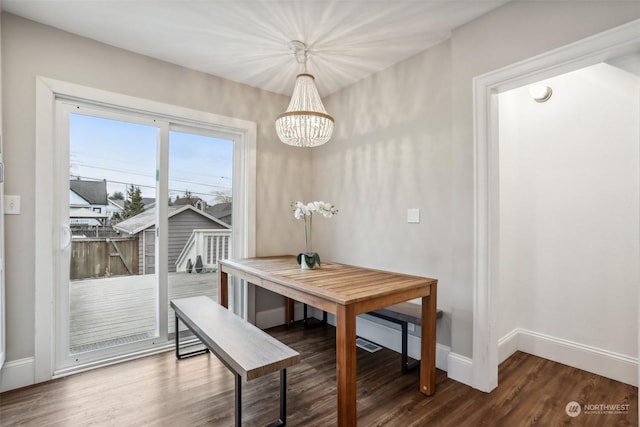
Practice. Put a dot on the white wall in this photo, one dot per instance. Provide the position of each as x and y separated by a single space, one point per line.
570 214
404 139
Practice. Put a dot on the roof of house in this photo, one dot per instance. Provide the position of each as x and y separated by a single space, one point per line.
146 219
148 202
181 201
117 202
222 211
94 192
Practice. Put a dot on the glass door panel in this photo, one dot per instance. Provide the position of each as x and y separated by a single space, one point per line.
112 292
200 176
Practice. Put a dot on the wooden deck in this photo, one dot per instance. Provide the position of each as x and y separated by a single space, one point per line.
117 310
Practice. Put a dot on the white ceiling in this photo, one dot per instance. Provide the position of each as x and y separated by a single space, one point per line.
248 41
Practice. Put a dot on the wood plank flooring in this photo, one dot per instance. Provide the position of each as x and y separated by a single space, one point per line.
162 391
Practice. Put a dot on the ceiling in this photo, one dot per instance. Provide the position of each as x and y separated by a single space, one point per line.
248 41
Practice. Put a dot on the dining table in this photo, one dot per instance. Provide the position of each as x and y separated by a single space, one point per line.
345 291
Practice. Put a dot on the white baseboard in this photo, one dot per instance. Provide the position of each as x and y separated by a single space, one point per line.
386 336
508 345
17 373
598 361
275 317
460 369
391 338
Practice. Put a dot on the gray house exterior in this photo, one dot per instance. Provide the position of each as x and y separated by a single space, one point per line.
87 202
182 221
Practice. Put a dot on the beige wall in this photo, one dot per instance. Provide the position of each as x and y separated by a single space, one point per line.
405 140
30 49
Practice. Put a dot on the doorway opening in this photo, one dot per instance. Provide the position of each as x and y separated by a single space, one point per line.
569 261
614 43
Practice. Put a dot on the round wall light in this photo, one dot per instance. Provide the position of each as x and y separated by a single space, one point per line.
540 93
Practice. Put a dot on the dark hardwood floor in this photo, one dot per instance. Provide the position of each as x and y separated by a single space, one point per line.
162 391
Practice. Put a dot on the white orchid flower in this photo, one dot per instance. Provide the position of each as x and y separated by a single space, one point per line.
303 210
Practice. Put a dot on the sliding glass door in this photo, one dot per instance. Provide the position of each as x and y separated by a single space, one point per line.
108 297
199 211
129 177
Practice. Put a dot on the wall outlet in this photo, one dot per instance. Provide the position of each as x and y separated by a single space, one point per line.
413 216
12 205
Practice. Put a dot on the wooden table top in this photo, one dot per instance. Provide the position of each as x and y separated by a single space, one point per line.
338 283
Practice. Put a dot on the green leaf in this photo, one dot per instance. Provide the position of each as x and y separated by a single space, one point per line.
310 258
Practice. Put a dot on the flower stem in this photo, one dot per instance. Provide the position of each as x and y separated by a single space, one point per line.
307 233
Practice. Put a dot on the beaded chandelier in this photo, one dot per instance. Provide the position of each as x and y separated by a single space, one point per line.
306 122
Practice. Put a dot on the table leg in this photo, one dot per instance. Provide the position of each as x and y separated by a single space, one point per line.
428 343
288 311
223 288
346 366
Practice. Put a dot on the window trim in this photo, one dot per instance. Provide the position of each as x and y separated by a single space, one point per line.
51 235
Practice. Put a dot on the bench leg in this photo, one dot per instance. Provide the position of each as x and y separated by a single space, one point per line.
185 355
283 401
177 338
405 349
283 397
406 366
238 412
313 325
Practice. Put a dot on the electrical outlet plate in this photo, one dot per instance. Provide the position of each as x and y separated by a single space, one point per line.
12 205
413 216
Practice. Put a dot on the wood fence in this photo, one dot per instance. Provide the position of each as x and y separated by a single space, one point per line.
91 258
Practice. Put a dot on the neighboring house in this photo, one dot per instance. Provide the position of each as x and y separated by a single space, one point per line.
87 202
196 202
118 206
148 202
115 207
222 211
183 222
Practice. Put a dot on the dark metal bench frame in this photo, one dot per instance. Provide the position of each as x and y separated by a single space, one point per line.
406 366
404 326
282 421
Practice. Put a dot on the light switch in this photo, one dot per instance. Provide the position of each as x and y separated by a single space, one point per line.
413 216
12 205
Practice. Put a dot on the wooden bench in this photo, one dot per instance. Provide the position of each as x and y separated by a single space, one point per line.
243 348
402 314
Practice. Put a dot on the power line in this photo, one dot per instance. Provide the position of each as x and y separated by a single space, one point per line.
150 186
82 164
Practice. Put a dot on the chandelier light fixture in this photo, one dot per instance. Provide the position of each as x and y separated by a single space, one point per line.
306 122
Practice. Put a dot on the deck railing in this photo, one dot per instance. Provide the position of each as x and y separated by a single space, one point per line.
210 245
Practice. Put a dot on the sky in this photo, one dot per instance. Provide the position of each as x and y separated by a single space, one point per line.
124 154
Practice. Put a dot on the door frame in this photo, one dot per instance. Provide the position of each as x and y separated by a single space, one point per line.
51 236
65 362
618 41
